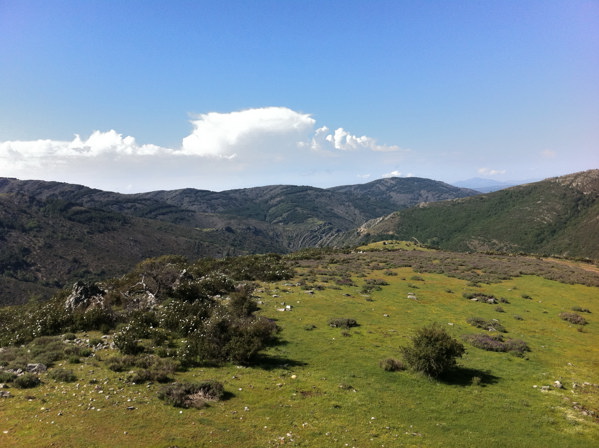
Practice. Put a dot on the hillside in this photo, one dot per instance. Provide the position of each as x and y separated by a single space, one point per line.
305 350
54 233
557 216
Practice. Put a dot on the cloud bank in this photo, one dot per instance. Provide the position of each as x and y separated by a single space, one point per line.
224 150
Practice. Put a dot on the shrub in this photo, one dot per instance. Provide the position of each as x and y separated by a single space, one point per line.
342 322
580 309
480 297
64 375
573 318
27 381
489 325
7 377
191 395
392 365
126 341
496 343
433 351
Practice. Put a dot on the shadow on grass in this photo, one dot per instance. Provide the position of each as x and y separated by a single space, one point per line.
464 376
269 362
227 396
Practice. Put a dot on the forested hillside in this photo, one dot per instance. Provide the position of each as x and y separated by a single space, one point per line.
557 216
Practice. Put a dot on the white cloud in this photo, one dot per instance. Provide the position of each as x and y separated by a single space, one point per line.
549 154
490 172
223 135
391 174
45 153
273 145
342 140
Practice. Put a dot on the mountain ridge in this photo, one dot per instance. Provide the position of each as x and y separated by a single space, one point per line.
556 216
54 232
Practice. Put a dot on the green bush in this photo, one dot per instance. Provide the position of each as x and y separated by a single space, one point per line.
580 309
7 377
433 351
489 325
126 341
63 375
27 381
342 322
392 365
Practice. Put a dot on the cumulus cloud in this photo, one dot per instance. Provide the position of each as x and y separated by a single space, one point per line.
396 173
21 154
342 140
222 135
490 172
224 150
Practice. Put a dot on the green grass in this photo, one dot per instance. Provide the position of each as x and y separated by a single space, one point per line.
324 386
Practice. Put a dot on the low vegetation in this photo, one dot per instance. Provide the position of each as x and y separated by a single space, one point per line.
241 352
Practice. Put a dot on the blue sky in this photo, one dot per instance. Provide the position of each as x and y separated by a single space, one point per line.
144 95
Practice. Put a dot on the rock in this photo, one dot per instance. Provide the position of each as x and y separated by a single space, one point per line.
85 295
5 394
545 388
36 368
557 384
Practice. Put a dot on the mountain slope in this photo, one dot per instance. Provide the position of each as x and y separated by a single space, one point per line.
52 232
557 216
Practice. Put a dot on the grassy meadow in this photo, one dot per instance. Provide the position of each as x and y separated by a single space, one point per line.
324 387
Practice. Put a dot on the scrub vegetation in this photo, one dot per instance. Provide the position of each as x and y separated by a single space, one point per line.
309 349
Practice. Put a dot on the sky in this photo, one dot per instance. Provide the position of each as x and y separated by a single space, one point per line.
134 96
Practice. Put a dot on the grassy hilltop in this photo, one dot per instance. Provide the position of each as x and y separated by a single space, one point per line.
315 384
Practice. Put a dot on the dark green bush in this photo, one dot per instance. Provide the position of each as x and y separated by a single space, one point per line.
433 351
63 375
126 341
7 377
27 381
342 322
580 309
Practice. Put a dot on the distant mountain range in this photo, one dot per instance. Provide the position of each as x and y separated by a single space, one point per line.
489 185
52 233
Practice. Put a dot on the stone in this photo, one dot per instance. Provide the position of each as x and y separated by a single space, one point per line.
36 368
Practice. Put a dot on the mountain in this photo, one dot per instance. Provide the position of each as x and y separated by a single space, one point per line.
486 185
52 233
557 216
